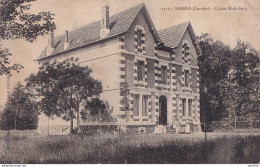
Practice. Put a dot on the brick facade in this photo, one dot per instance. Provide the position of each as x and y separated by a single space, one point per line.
153 70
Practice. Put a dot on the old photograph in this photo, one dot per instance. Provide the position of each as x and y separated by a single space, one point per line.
129 82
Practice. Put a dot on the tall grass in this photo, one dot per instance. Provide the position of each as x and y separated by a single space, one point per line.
141 148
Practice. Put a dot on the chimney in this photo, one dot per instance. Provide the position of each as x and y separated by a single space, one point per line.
104 21
50 46
66 40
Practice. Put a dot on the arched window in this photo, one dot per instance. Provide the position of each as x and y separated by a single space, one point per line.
139 36
185 51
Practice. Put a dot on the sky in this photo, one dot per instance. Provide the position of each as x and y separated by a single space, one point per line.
224 25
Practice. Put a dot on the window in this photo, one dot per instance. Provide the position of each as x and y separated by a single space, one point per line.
139 39
183 107
186 78
186 49
140 70
145 105
136 105
190 107
164 75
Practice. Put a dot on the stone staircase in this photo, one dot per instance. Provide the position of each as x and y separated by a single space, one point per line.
171 130
163 129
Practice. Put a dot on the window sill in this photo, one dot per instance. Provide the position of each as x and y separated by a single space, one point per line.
164 85
140 82
186 88
145 117
140 117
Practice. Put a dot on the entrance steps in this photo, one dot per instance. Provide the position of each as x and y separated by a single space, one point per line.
163 129
160 129
171 130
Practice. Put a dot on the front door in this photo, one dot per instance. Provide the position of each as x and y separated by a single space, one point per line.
162 110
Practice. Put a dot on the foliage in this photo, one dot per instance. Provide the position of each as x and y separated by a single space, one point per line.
125 101
18 22
214 65
5 67
96 106
20 111
107 116
229 79
244 79
97 109
125 93
63 87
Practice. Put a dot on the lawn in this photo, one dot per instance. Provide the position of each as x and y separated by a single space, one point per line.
29 147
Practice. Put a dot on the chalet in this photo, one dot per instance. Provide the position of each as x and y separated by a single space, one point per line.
160 68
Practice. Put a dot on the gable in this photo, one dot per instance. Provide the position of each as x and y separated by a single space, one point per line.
186 38
171 36
140 21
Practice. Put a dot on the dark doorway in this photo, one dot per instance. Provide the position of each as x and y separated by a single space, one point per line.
162 110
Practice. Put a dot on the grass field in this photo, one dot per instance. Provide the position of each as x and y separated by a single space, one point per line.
28 147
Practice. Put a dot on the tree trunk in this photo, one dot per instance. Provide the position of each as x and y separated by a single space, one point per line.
78 116
71 121
71 125
15 121
48 125
71 112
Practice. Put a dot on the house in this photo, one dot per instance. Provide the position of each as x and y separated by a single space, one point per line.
160 67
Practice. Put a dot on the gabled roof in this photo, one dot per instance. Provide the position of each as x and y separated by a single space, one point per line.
90 33
172 36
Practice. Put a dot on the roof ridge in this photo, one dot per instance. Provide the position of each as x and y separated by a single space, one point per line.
87 24
121 22
172 36
187 22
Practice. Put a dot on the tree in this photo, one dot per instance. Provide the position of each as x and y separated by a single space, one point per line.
231 78
5 63
244 79
63 87
214 64
98 109
20 111
125 101
18 22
